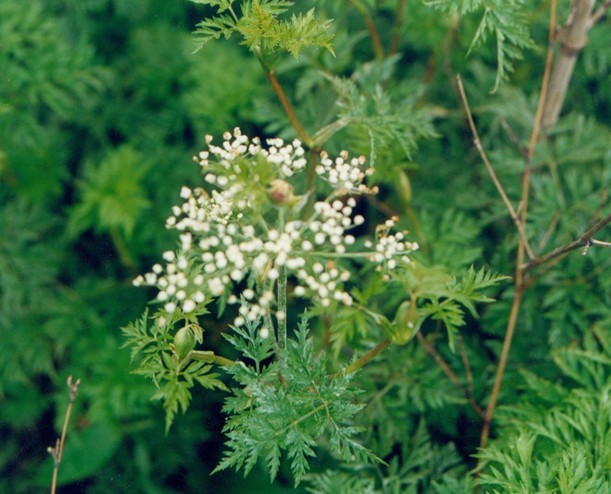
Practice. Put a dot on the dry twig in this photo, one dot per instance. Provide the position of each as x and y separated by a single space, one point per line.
450 373
57 450
495 180
585 241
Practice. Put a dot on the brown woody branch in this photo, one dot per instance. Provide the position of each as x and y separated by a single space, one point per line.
584 241
520 285
571 39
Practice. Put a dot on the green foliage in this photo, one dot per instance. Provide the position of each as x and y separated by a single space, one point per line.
30 252
261 29
101 106
378 116
217 100
442 298
173 371
287 406
112 196
561 439
48 80
421 467
506 21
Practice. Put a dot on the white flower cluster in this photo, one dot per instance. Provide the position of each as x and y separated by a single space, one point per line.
288 159
221 250
390 247
345 173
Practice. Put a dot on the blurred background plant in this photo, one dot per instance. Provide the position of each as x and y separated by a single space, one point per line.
102 104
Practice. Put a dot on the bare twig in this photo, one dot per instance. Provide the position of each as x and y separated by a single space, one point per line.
571 38
600 11
498 380
491 172
450 373
57 450
548 232
521 283
466 364
396 28
585 240
371 27
513 138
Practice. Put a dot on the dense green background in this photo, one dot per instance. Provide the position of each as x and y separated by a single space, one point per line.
102 105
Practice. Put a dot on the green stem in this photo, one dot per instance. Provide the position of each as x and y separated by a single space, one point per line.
284 101
282 279
209 356
370 355
121 247
371 27
301 419
396 28
282 307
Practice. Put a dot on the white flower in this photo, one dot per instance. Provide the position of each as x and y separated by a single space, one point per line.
222 244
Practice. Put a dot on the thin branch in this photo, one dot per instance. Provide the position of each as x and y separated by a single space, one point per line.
211 357
498 378
370 355
450 373
466 365
281 312
572 38
534 137
495 180
513 138
371 27
548 232
288 108
57 450
396 28
600 243
585 240
521 283
600 11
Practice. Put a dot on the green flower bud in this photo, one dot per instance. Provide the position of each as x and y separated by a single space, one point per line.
407 322
184 341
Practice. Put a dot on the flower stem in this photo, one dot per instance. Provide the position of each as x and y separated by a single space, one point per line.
209 356
282 307
282 278
125 256
370 355
286 104
58 449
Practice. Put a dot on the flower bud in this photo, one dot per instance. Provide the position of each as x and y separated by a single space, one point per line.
281 192
407 322
184 341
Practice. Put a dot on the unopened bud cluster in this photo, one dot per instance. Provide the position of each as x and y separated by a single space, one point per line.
227 239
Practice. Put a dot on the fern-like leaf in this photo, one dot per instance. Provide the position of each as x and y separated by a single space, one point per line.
285 408
505 20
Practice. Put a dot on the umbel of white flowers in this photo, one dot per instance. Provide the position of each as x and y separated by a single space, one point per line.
226 241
